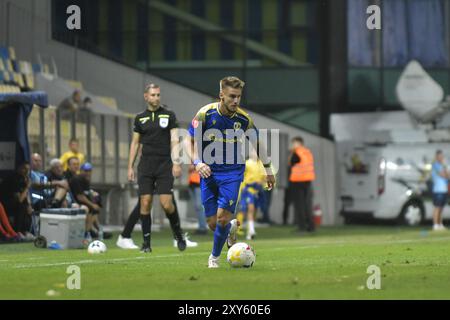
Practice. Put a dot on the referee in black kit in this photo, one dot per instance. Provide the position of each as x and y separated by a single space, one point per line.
156 129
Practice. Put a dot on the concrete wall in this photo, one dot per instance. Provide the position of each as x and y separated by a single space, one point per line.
29 32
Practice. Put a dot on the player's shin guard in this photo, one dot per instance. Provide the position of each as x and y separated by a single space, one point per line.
220 236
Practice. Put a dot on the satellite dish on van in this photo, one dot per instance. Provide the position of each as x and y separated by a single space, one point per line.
420 94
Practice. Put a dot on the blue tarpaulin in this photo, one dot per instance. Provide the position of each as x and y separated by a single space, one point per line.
14 111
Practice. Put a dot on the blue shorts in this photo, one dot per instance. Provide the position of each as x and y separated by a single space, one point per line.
439 199
246 199
220 191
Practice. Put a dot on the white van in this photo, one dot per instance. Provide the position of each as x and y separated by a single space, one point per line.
389 181
385 158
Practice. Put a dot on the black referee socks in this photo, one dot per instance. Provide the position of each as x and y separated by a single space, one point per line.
175 224
146 222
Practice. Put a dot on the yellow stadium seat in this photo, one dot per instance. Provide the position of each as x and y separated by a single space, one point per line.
29 78
12 53
76 84
9 66
19 79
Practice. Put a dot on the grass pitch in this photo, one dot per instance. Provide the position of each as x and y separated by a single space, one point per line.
332 264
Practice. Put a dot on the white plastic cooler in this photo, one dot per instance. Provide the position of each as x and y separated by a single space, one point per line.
65 226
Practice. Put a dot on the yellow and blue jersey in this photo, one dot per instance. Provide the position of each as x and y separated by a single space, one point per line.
220 138
220 141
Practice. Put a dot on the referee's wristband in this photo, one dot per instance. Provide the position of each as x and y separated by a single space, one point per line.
196 162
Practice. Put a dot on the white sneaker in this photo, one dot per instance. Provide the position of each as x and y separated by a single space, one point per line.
213 262
232 236
189 243
126 243
442 227
437 227
250 236
29 236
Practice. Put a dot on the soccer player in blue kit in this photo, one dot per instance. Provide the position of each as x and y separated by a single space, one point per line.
214 144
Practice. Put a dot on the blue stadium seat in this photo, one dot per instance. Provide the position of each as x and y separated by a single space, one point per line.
16 66
4 52
37 67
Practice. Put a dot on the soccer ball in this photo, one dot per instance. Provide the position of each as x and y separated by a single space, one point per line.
241 255
96 247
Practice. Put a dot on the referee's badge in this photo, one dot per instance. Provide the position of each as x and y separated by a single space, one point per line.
237 125
163 122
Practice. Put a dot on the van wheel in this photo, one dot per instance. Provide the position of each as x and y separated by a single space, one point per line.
412 214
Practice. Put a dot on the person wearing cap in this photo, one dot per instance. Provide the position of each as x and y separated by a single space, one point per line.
80 186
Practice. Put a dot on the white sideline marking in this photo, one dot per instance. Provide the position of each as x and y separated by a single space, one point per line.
342 242
39 265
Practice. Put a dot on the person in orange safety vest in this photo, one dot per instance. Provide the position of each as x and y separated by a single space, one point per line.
302 174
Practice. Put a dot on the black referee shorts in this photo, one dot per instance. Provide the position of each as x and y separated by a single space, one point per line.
155 175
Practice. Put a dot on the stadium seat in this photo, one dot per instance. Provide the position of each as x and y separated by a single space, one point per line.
37 67
4 52
29 79
12 53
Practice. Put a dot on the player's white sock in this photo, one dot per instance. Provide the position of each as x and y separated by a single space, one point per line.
251 227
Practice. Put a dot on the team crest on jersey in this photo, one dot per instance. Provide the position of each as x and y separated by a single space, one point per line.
237 125
163 122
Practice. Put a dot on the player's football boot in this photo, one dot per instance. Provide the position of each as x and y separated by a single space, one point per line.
146 248
232 236
213 262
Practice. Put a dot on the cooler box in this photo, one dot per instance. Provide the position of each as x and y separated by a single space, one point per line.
63 225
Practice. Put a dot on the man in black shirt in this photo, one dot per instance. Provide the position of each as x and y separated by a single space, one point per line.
15 199
80 186
156 129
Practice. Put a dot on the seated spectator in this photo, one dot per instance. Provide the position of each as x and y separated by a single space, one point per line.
15 199
80 186
56 175
70 105
45 193
6 231
73 152
85 110
73 168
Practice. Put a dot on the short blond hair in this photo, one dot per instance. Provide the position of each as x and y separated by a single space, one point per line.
231 82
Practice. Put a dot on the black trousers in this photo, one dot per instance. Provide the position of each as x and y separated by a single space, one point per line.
301 194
